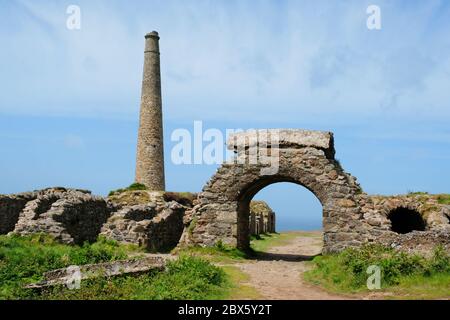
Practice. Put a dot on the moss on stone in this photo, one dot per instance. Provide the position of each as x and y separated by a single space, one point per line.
192 226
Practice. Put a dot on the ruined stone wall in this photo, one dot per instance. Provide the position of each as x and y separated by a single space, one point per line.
10 208
155 227
305 158
262 218
74 216
71 216
376 212
350 217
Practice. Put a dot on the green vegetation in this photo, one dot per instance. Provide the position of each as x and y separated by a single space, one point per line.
258 244
23 260
417 193
443 198
219 253
263 242
132 187
188 277
401 274
239 289
192 226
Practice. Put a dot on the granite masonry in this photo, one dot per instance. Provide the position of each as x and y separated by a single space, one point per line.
145 218
69 215
350 217
262 218
155 226
150 156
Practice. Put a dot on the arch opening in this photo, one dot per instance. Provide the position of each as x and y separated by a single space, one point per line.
404 220
296 208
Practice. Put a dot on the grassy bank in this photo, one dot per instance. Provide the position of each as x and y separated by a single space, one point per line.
402 275
23 260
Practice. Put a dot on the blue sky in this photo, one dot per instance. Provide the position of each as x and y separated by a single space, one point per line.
69 101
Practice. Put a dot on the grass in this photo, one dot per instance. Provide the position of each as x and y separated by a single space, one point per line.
132 187
220 253
23 260
264 242
188 278
402 275
443 198
435 286
417 193
239 289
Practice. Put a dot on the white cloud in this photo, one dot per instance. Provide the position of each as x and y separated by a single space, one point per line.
230 60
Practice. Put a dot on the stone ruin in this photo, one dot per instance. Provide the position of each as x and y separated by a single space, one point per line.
224 210
154 220
262 218
69 215
350 216
74 216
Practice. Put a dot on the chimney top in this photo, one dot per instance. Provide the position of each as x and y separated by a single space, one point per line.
152 34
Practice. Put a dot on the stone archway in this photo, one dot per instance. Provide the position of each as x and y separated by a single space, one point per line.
305 158
243 208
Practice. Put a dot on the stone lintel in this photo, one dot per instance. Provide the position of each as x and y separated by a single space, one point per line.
283 138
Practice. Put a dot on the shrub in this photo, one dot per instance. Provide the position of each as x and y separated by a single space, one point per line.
347 270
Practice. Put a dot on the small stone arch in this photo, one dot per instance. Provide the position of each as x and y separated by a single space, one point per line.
305 158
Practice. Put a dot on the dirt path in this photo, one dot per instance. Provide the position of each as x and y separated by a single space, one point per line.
278 273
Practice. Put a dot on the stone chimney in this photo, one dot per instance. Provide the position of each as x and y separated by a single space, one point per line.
150 149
